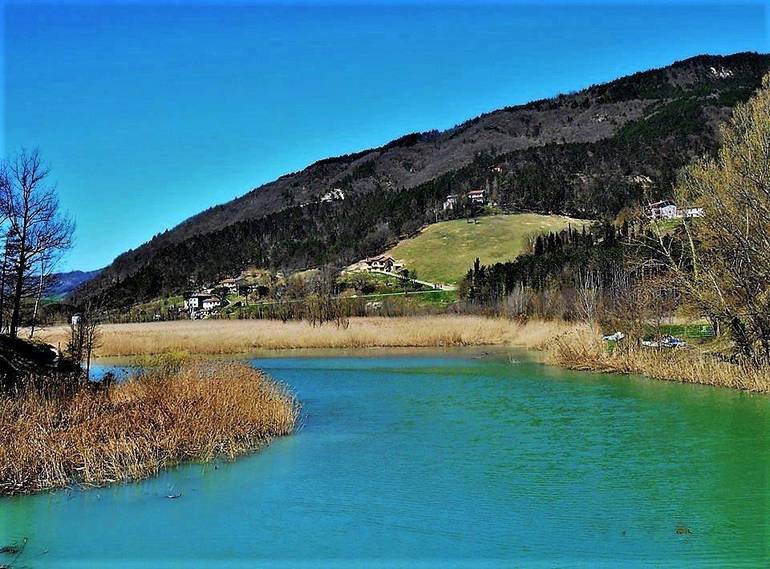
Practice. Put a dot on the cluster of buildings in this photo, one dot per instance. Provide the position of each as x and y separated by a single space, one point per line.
384 263
204 302
667 209
201 304
476 197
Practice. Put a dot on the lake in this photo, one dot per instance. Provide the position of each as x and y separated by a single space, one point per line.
456 458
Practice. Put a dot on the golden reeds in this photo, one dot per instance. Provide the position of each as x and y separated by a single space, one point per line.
130 431
241 336
585 351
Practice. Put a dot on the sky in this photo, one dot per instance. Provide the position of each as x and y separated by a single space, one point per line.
149 112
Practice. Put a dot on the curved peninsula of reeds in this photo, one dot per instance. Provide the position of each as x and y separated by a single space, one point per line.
164 416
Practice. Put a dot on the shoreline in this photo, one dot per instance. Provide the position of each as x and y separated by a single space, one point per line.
568 345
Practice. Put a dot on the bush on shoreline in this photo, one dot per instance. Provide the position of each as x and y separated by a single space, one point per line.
157 419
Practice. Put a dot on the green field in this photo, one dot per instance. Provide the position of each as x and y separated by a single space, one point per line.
443 252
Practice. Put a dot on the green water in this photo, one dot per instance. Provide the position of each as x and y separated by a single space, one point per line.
444 459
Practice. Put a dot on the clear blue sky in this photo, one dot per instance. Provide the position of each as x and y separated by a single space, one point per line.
150 112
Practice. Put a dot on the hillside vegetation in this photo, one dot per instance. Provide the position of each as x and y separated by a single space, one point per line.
588 154
443 252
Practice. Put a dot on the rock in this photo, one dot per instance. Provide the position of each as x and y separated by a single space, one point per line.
23 362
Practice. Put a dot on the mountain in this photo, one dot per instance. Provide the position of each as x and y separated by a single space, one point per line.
65 283
586 154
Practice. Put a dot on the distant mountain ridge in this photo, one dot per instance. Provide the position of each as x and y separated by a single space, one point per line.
65 283
585 154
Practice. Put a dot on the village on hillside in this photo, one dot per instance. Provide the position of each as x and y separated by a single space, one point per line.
255 287
380 274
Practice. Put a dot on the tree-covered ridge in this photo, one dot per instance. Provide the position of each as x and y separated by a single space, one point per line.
585 155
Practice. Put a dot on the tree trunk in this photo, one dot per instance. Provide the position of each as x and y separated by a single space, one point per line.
37 303
2 290
17 294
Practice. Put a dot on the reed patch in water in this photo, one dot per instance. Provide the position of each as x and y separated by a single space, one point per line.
159 418
585 351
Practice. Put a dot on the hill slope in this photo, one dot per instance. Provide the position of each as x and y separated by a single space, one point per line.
65 283
586 154
443 252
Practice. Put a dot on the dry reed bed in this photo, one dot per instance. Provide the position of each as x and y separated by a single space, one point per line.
239 336
585 351
134 429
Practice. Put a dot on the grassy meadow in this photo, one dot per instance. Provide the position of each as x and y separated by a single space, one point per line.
240 336
130 431
443 252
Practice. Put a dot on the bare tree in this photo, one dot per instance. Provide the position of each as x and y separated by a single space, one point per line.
85 334
36 228
517 303
588 289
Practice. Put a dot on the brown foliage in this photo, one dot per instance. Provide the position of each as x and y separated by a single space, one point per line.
130 431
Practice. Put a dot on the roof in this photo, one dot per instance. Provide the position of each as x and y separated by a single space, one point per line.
476 192
380 258
201 295
662 203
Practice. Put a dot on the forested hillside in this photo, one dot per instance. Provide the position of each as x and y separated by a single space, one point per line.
587 154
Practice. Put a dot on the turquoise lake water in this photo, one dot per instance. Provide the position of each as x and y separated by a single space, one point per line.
432 459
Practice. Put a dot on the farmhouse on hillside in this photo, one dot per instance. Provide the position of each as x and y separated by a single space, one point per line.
200 303
450 202
477 197
667 209
384 263
380 263
231 285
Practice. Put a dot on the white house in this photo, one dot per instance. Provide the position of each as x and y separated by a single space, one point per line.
201 301
231 285
477 197
195 301
692 212
450 202
665 209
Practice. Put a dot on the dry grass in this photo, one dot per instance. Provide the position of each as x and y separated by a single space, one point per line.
584 350
241 336
134 429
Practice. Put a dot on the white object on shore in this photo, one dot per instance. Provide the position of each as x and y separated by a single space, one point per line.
616 337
